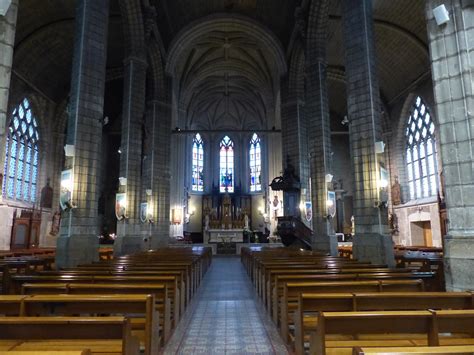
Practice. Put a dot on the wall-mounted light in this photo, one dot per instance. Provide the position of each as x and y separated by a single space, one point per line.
148 192
379 147
441 15
4 6
119 150
69 150
329 178
123 181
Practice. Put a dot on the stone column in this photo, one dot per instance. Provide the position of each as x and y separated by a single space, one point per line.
158 178
372 241
451 48
7 42
319 131
294 135
78 241
129 238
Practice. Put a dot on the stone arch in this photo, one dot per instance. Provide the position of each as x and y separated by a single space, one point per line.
133 27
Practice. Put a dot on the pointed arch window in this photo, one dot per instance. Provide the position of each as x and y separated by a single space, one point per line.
421 152
198 164
255 162
20 172
226 165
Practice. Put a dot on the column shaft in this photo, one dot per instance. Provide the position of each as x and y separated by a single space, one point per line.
78 242
451 49
7 42
372 241
129 229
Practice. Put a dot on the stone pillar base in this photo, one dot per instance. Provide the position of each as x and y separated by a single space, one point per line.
326 244
130 244
76 249
459 263
375 248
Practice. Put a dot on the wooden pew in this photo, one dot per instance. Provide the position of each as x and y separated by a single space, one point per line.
160 292
280 280
287 304
419 350
141 310
78 352
53 333
179 274
171 283
377 327
309 304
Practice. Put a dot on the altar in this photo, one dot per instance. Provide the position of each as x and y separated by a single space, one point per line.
225 236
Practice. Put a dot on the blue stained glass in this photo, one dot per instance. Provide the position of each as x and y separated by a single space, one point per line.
12 168
21 163
35 159
28 154
21 151
27 172
226 165
14 148
11 184
26 188
33 193
5 168
198 164
255 163
35 173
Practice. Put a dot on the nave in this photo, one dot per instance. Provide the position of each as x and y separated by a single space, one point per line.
226 317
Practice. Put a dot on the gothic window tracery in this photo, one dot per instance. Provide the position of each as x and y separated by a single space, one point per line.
226 165
20 171
421 152
255 162
198 164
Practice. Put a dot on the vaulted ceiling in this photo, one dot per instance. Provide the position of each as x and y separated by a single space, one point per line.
225 74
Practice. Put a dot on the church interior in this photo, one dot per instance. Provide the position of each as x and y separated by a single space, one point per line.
236 177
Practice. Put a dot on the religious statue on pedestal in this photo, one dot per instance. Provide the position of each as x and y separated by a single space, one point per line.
396 193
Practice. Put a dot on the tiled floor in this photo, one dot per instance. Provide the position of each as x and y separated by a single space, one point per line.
225 317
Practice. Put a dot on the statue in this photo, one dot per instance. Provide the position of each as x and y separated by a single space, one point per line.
396 193
246 221
47 195
56 223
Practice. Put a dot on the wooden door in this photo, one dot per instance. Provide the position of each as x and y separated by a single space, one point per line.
427 234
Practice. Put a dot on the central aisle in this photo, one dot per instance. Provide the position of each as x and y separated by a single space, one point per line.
225 317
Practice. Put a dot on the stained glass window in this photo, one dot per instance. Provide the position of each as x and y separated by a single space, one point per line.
226 164
421 153
198 164
255 162
21 160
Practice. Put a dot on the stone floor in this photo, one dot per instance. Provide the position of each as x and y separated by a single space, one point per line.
225 317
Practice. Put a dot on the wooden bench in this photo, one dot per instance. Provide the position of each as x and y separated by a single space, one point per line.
162 303
280 280
54 333
140 309
288 303
419 350
171 283
13 352
309 304
374 328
